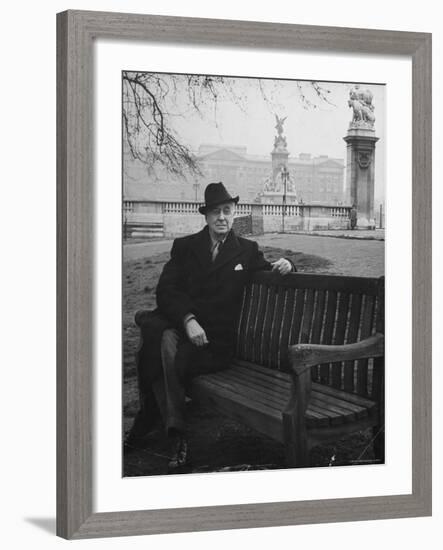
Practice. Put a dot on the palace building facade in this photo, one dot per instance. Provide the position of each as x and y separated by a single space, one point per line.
317 180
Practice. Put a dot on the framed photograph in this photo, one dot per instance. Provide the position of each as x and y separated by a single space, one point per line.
284 200
244 217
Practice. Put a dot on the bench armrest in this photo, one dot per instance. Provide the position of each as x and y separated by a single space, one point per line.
141 316
304 356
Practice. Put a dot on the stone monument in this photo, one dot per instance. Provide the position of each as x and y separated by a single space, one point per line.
360 163
279 187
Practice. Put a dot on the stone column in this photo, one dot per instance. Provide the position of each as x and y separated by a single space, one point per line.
360 174
360 162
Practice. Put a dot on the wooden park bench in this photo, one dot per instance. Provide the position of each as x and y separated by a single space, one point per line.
309 364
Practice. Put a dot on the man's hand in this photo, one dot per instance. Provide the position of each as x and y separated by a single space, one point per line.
283 266
195 333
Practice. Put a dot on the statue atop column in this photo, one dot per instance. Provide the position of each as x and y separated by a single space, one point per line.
360 171
280 181
279 125
362 108
280 142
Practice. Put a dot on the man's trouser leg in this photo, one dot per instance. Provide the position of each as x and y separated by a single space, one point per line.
165 393
181 361
171 389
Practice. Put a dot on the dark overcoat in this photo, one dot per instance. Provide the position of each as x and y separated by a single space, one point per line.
192 283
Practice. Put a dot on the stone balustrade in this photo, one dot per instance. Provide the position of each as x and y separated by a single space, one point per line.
181 207
183 217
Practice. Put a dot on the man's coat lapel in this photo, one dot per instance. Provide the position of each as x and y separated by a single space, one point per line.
201 246
229 250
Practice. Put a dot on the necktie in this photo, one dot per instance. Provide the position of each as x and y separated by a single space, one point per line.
215 250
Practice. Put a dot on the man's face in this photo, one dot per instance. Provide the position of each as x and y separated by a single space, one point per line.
220 218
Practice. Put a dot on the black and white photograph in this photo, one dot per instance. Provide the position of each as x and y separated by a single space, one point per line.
253 263
218 218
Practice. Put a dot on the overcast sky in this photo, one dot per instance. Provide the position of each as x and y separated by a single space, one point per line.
317 130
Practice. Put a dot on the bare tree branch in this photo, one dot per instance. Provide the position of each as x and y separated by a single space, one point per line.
152 100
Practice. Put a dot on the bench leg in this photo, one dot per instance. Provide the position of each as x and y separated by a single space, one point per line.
296 441
378 432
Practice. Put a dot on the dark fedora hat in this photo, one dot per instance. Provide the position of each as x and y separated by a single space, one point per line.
215 194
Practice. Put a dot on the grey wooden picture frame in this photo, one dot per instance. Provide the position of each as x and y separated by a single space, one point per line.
76 32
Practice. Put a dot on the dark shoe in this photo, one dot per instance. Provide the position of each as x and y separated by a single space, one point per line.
135 441
179 460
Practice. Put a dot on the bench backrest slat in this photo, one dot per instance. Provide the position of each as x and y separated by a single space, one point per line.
367 324
352 327
326 372
343 311
290 297
299 308
276 335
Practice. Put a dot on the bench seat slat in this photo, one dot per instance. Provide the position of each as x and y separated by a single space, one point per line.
333 418
344 405
278 383
252 399
279 396
268 392
262 370
264 373
349 397
230 381
281 379
275 393
316 416
257 391
264 419
345 415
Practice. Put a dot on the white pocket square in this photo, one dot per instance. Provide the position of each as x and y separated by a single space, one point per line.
238 267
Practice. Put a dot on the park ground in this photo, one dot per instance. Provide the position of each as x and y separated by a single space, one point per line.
218 443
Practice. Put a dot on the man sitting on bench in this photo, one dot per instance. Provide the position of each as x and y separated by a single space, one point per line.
192 332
